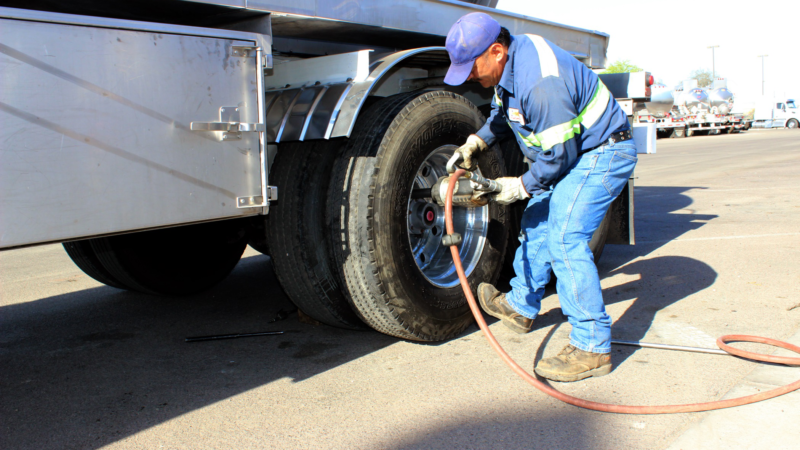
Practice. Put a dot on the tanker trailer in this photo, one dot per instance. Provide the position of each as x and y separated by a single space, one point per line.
659 111
694 104
721 100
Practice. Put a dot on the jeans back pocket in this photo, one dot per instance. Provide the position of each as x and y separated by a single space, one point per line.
620 168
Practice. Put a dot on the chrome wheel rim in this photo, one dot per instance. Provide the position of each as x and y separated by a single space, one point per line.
426 226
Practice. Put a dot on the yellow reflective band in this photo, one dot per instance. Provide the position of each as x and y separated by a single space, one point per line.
558 134
597 105
529 140
561 133
497 98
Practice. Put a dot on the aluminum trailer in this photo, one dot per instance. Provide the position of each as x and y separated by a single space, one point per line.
155 139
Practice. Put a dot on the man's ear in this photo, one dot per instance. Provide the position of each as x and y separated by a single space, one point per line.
497 51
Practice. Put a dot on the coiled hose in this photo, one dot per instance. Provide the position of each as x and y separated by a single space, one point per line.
722 342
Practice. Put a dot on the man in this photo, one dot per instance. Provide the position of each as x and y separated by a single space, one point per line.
578 143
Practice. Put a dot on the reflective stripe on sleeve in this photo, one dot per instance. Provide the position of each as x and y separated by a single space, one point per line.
529 140
547 59
596 106
563 132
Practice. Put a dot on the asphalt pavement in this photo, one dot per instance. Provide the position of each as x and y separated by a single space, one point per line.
87 366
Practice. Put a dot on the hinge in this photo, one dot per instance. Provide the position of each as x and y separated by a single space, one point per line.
248 52
257 201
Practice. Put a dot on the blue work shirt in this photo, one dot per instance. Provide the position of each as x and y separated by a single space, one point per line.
555 107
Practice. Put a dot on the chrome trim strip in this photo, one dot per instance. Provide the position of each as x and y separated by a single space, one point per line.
286 114
311 110
336 111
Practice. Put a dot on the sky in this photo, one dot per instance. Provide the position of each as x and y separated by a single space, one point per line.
670 39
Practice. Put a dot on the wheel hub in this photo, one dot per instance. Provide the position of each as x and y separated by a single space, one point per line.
422 216
426 226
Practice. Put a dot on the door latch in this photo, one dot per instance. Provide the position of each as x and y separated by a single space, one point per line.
229 124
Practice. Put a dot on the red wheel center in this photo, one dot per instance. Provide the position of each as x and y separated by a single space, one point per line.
429 216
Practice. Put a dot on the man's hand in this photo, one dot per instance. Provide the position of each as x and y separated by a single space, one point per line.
513 190
471 149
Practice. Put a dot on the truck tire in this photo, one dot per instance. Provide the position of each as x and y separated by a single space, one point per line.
792 124
689 132
296 232
397 275
173 261
83 256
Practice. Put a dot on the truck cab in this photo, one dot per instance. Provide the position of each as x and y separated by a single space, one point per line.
777 113
786 111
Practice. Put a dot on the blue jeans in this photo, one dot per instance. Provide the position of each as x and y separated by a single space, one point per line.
556 229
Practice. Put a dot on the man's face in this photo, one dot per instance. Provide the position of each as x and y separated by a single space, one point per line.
488 68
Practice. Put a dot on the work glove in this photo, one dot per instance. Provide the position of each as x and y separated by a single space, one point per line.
513 190
471 149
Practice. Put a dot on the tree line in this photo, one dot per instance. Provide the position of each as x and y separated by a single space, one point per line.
703 76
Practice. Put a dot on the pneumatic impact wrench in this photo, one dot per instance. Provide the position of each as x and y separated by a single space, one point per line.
471 189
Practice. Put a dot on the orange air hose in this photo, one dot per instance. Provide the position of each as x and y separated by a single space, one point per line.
623 409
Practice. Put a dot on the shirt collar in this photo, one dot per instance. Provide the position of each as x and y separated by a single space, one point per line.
507 79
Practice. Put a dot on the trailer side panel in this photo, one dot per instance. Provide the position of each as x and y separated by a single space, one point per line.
96 137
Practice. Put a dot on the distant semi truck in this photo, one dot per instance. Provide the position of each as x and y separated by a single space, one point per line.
776 113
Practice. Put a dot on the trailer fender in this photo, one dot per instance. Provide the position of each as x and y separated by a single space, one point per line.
320 98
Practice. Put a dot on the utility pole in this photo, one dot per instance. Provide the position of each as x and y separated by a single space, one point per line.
762 73
713 68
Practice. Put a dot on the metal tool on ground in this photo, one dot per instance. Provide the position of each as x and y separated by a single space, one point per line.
722 342
680 348
231 336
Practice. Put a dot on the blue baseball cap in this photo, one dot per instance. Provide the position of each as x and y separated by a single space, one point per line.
467 39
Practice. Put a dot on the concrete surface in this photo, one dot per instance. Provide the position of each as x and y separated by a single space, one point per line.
89 366
744 426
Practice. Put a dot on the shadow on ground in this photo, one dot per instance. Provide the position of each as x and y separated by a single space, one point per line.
500 429
662 214
85 369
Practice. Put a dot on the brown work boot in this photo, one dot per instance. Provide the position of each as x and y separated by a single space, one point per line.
573 364
495 304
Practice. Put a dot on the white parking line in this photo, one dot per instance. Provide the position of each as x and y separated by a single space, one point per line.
741 189
719 238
